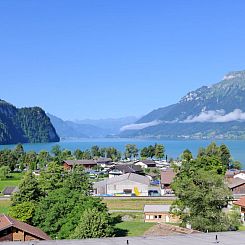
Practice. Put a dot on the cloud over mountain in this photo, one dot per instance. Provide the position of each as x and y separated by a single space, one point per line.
217 116
139 126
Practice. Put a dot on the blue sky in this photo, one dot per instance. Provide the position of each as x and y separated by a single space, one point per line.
99 59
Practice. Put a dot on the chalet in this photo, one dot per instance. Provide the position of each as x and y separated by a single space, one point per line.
87 164
15 230
167 177
146 164
241 204
237 186
159 213
124 169
126 184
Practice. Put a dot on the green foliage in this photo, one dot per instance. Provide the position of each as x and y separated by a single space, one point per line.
29 190
4 172
186 155
23 211
78 180
159 151
52 177
93 224
236 165
202 194
131 151
25 125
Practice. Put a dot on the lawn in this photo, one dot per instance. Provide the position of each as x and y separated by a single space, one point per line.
132 228
132 204
242 228
14 180
4 206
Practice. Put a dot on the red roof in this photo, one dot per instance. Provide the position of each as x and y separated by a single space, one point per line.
240 202
6 222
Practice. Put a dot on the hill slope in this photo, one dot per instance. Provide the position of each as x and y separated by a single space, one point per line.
208 112
25 125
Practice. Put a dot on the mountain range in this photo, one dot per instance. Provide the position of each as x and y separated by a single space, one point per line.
89 128
25 125
217 111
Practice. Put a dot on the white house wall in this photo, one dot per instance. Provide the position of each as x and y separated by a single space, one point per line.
127 184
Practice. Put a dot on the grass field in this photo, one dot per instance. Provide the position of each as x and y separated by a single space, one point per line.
132 204
4 206
14 180
132 228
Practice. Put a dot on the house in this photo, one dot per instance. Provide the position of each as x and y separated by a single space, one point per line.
126 184
241 204
167 177
159 213
88 164
10 190
15 230
237 186
146 164
104 161
124 169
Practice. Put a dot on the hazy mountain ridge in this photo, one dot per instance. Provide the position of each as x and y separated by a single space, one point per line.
25 125
89 128
223 103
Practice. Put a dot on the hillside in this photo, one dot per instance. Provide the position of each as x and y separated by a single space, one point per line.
25 125
208 112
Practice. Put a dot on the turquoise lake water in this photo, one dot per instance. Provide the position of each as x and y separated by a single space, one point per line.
173 148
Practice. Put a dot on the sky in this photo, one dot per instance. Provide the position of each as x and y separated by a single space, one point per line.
96 59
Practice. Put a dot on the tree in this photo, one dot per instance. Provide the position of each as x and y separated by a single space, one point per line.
151 151
225 156
236 165
77 180
63 209
93 224
95 151
29 190
52 177
4 172
144 153
23 211
159 151
202 194
186 155
78 154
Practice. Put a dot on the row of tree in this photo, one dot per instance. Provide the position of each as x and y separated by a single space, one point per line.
19 159
59 203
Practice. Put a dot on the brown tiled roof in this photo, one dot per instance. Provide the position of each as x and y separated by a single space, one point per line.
167 176
240 202
6 222
80 162
236 182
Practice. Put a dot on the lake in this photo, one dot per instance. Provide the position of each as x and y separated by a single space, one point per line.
173 148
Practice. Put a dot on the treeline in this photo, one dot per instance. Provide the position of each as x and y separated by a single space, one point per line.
18 159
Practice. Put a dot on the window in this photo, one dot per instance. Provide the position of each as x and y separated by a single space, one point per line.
127 191
159 216
155 216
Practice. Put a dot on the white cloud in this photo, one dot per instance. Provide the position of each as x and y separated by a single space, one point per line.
217 116
139 126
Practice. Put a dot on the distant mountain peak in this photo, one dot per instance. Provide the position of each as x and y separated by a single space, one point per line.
220 104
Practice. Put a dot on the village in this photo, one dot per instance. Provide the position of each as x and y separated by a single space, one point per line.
139 190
